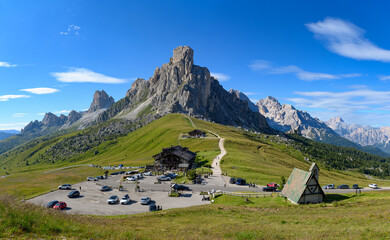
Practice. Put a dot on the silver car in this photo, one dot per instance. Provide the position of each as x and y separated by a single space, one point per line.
113 199
145 200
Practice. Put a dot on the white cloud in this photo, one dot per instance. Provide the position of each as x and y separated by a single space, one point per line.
254 100
62 112
302 74
6 64
5 98
11 126
250 93
72 29
347 39
220 76
84 75
19 115
41 114
260 64
42 90
361 104
384 77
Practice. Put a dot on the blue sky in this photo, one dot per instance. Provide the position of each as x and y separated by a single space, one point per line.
330 58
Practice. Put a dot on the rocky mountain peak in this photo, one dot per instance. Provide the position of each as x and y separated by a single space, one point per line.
52 120
101 100
245 98
179 86
336 120
269 102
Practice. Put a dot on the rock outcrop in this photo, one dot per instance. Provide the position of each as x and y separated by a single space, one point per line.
243 97
182 87
363 135
101 100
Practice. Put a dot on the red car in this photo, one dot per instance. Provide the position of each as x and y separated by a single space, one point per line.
272 185
60 205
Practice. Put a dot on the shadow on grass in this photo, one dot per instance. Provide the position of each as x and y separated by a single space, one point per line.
329 198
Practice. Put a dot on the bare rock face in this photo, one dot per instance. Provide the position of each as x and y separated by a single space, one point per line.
101 100
362 134
243 97
286 118
52 120
73 116
182 87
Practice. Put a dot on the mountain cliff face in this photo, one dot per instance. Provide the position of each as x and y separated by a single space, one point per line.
182 87
243 97
101 100
286 118
363 135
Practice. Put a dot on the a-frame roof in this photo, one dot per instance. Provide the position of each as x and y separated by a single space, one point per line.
296 184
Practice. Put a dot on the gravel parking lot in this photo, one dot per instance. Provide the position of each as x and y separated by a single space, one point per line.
94 202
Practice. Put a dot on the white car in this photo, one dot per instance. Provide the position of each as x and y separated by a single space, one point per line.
145 200
132 178
148 174
373 186
65 186
125 200
113 199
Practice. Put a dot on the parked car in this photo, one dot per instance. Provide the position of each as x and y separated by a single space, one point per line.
275 185
152 208
330 186
355 186
180 187
113 199
148 174
60 205
145 200
51 204
114 173
100 177
65 187
373 186
121 172
105 188
269 189
344 186
131 178
232 181
240 181
73 194
125 200
164 178
139 176
90 179
171 175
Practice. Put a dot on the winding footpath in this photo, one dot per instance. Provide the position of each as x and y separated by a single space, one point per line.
215 166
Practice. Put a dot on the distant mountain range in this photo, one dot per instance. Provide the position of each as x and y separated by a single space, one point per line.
363 135
7 133
286 118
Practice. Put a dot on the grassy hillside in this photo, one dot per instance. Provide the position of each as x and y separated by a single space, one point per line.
342 217
258 159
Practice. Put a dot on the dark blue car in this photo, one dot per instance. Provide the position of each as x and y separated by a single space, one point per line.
74 194
240 181
51 204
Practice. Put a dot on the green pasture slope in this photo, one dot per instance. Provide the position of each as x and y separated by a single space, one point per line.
257 161
342 217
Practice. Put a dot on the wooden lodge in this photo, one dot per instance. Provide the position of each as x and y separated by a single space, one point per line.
197 134
302 187
174 158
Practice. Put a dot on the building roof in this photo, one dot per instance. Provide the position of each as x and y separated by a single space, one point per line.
179 151
296 184
197 132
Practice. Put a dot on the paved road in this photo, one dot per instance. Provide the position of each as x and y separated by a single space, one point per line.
94 202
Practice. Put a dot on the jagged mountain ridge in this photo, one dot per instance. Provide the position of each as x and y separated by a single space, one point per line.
182 87
53 124
363 135
286 118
